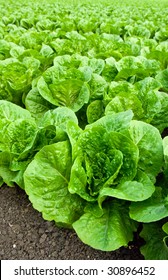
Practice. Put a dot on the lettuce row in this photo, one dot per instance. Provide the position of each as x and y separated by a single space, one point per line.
110 165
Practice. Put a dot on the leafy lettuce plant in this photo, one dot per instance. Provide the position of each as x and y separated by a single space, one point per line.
99 171
16 78
65 84
21 137
144 98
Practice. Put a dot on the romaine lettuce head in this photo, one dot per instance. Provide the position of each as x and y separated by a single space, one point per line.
114 157
63 86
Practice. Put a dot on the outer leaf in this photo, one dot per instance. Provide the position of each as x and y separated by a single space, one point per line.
114 122
160 120
58 117
97 65
139 66
147 85
150 210
46 180
139 189
150 103
162 77
98 87
165 148
10 112
107 232
118 88
20 136
6 174
155 247
36 104
73 131
123 102
149 142
1 181
94 111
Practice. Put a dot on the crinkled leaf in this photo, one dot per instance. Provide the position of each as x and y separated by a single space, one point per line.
108 232
59 118
46 182
123 102
97 65
6 174
155 248
78 181
151 105
165 150
102 159
147 85
73 131
36 104
139 189
98 87
95 111
10 112
118 88
114 122
20 136
153 209
162 77
64 88
130 153
139 66
149 142
160 119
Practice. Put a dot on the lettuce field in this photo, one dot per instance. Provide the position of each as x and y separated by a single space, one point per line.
84 117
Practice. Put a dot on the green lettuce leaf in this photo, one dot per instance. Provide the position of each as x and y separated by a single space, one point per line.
114 122
149 142
59 118
123 102
153 209
165 150
156 246
36 104
10 112
160 119
109 231
7 176
20 136
46 183
95 111
98 87
139 66
162 78
139 189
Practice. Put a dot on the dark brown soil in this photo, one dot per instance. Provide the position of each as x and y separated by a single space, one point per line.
25 235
